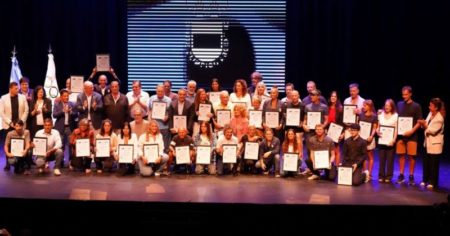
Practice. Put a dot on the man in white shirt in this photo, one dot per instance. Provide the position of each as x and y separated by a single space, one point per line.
138 99
54 147
354 98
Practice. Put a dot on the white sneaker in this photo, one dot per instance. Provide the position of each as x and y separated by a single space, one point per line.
313 177
41 170
367 176
56 172
306 172
422 184
157 174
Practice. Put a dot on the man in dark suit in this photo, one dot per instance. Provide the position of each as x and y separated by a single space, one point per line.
102 87
181 107
25 89
65 113
116 107
90 105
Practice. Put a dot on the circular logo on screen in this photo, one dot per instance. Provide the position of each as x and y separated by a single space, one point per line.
207 44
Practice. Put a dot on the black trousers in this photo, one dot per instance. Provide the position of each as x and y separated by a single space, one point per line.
386 168
431 169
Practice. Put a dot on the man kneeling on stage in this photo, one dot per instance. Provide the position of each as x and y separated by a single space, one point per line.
354 153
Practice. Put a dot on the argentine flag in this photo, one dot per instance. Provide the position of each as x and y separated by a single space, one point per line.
16 74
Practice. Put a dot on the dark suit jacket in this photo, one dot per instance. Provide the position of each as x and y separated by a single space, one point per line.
118 112
188 111
58 114
99 90
96 114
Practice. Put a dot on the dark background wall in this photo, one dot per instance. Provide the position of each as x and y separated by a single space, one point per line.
380 44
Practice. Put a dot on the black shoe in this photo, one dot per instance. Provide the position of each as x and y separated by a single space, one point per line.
411 180
401 179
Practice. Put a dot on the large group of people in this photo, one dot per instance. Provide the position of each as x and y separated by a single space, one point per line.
250 130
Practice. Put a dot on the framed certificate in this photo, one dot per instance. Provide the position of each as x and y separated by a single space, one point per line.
349 116
126 153
182 155
321 159
40 146
76 83
83 147
102 147
223 117
17 146
272 119
103 62
290 162
229 153
366 129
203 111
179 122
203 155
335 131
151 152
387 134
404 124
214 97
313 118
345 175
255 118
251 151
293 117
159 110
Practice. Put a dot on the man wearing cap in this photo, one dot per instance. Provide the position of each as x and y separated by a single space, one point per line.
354 153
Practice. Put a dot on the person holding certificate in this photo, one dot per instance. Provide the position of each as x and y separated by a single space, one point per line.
434 142
53 149
269 153
204 110
239 123
320 142
179 110
240 93
291 144
409 113
311 120
387 118
368 121
247 163
354 153
270 107
102 87
226 138
255 116
354 98
206 138
214 90
224 104
146 166
179 140
162 115
17 143
295 103
261 93
335 113
82 132
40 109
106 132
126 138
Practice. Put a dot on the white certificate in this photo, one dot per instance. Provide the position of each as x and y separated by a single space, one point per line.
345 175
83 147
335 131
76 83
366 129
214 97
387 135
321 159
313 118
272 119
151 152
179 122
126 153
404 124
103 62
229 153
293 117
73 97
251 151
182 155
349 116
203 111
290 162
17 146
223 117
102 147
159 110
255 118
203 155
40 146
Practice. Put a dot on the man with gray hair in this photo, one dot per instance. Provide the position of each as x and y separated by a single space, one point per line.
163 124
54 147
90 105
191 89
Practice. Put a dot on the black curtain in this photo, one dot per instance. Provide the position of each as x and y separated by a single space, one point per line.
76 29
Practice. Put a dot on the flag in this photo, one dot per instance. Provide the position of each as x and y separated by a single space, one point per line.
16 74
50 83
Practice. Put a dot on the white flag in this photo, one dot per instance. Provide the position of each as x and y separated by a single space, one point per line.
16 74
50 84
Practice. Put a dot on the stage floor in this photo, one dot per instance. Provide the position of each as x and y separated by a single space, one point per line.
224 189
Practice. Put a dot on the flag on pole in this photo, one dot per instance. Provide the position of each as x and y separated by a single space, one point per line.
50 83
16 74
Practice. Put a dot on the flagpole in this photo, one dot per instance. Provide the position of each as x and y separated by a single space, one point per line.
14 52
